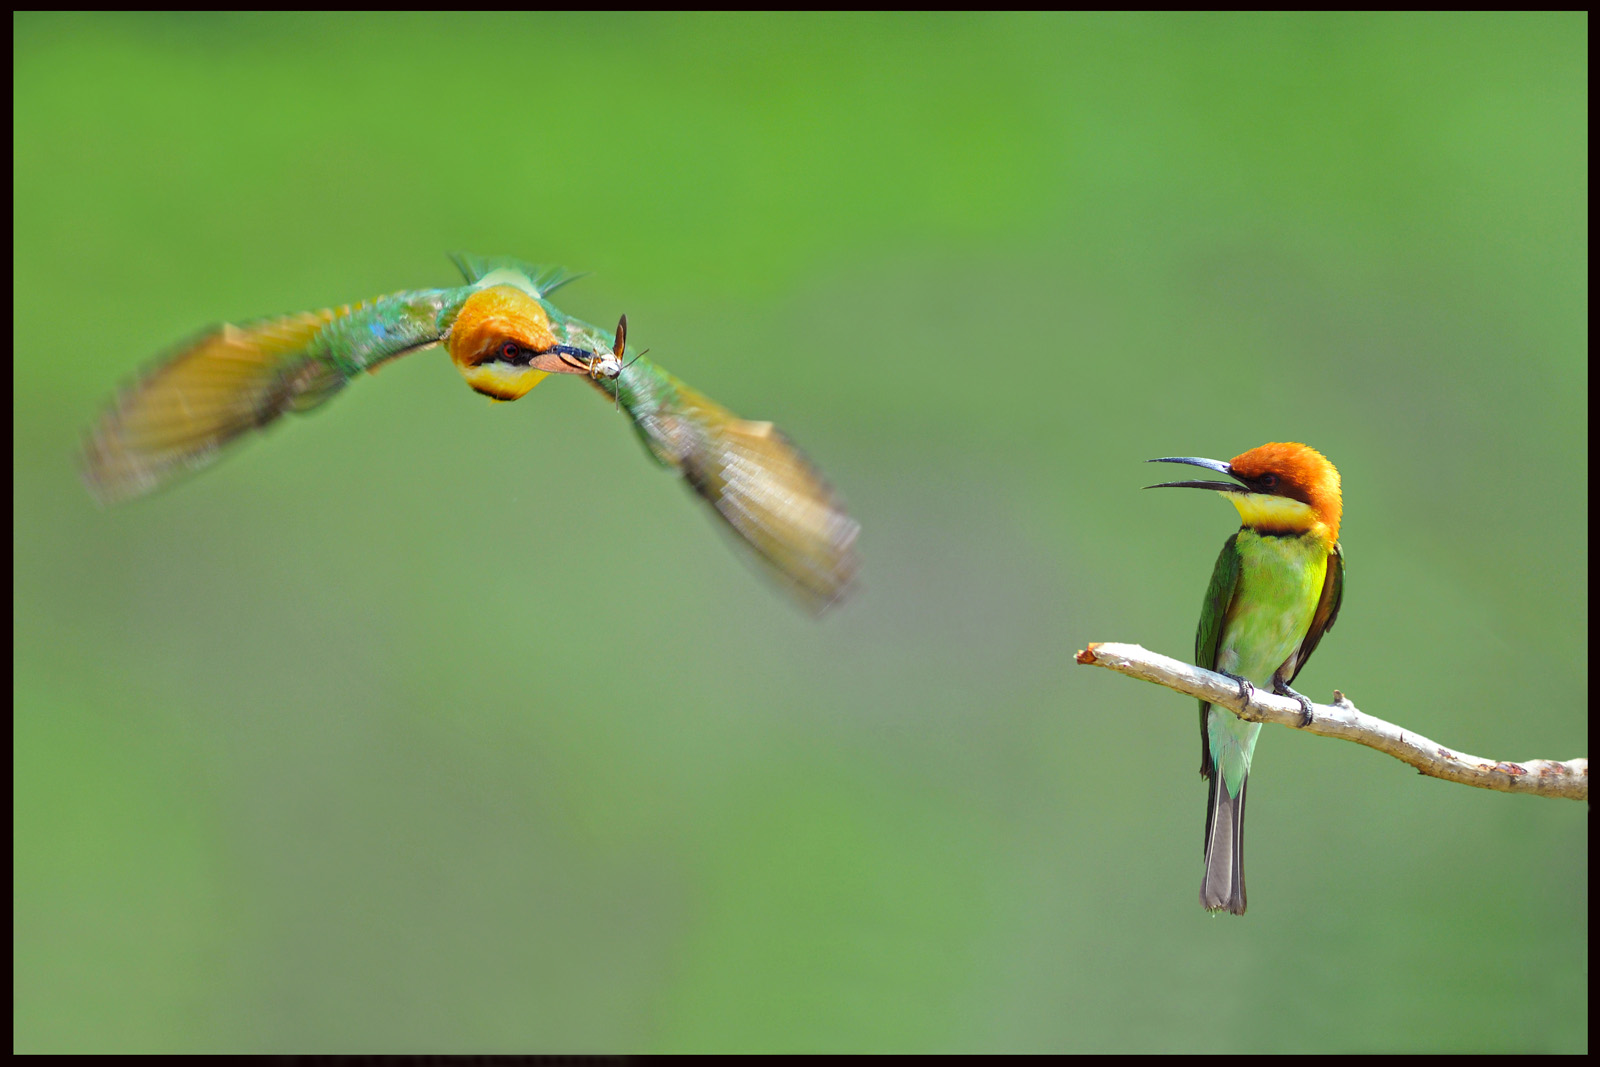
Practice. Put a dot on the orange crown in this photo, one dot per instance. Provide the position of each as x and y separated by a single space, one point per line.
495 315
1303 474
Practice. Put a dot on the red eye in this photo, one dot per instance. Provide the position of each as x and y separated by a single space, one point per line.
508 351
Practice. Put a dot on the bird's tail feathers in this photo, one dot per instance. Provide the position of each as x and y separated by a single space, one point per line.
1223 885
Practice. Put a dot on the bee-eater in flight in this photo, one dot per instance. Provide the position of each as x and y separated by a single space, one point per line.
504 336
1275 591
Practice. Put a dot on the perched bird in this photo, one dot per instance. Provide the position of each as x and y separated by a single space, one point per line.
504 336
1275 591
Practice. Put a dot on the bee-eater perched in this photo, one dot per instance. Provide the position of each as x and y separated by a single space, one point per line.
1275 591
504 336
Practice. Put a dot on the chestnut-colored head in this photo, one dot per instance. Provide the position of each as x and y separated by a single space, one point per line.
501 342
1283 488
1296 471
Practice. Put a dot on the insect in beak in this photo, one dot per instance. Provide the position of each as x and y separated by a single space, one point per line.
611 365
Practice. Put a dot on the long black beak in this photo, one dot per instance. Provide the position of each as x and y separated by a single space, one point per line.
1209 464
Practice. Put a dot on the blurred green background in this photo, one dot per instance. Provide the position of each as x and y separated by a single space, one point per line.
429 724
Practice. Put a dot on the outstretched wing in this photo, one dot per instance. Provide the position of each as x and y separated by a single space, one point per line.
759 483
202 395
214 389
779 504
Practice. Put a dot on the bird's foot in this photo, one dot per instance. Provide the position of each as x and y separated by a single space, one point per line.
1247 690
1283 690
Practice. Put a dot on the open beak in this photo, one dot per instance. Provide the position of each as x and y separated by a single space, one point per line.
1209 464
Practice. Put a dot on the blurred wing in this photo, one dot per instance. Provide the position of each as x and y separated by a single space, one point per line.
1327 610
233 379
765 490
196 399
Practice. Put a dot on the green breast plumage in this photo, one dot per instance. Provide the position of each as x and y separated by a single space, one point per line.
1280 581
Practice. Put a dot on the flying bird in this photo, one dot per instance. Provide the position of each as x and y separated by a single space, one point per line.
504 336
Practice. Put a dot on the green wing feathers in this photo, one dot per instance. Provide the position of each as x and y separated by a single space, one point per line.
1213 615
217 387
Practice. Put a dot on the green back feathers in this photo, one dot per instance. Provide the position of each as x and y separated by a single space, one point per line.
545 280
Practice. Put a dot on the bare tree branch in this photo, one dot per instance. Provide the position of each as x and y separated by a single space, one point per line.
1545 778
